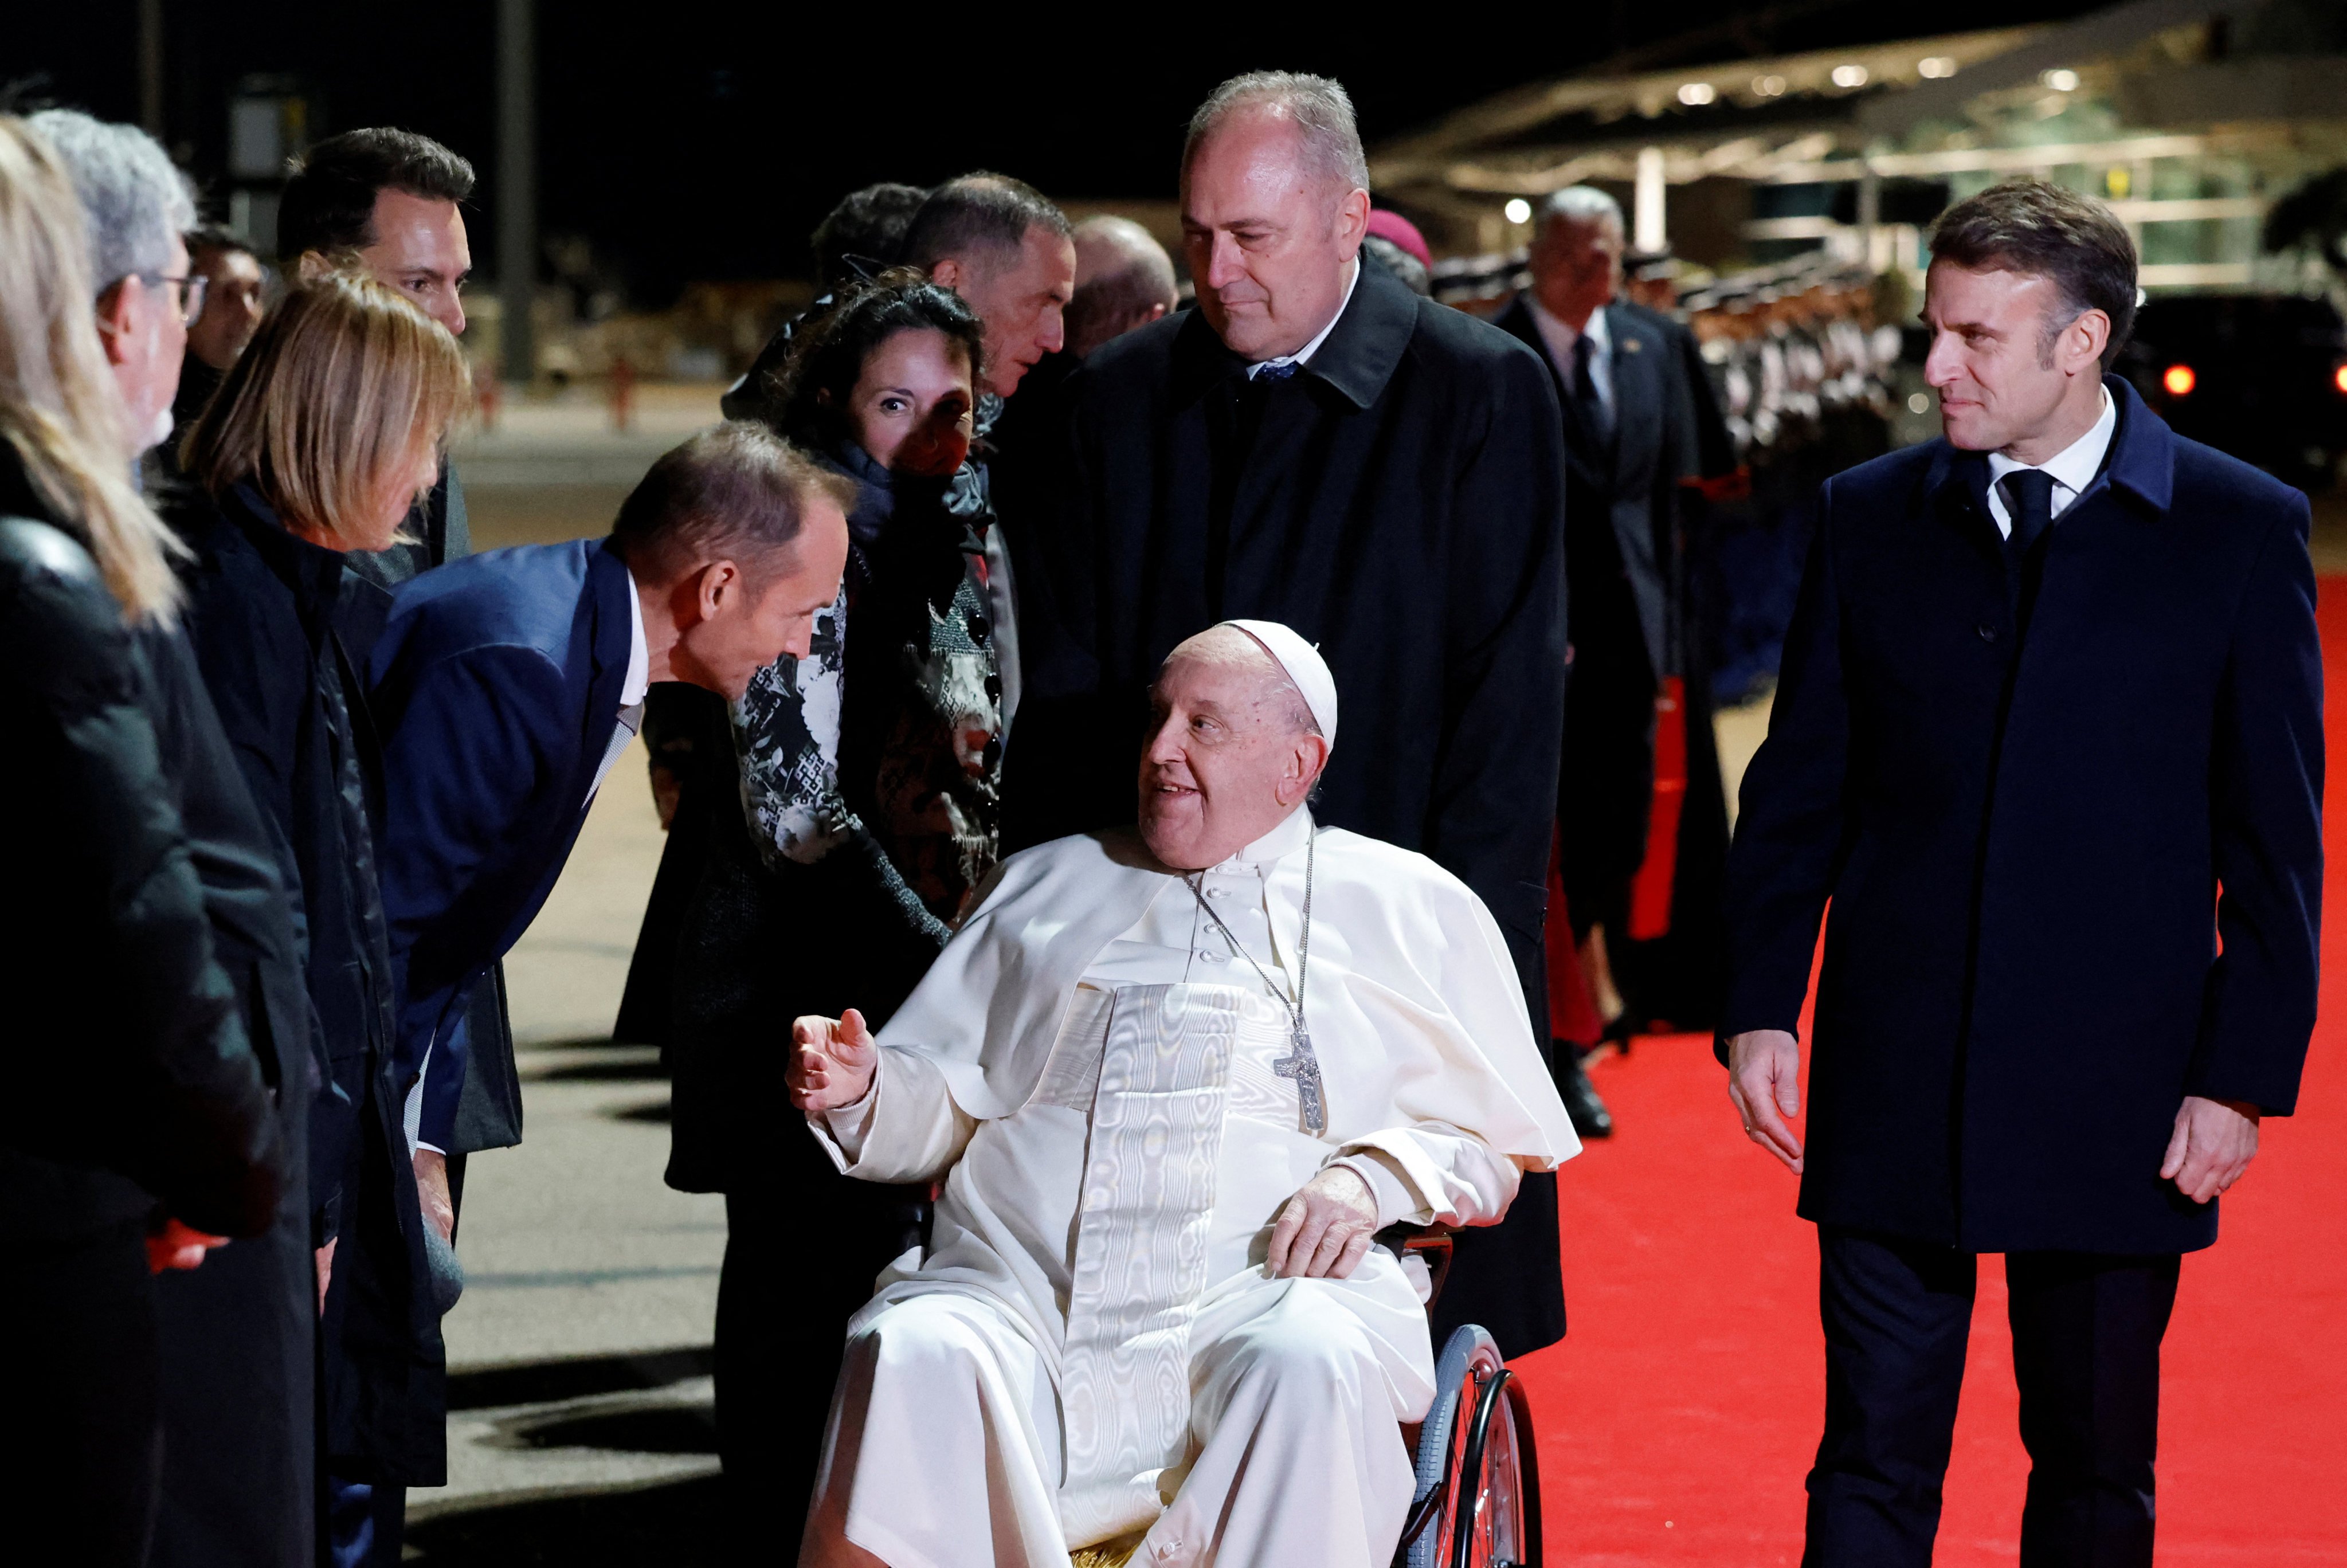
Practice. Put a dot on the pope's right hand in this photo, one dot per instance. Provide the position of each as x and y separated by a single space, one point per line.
832 1061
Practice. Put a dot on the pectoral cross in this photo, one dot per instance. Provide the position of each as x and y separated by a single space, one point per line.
1305 1068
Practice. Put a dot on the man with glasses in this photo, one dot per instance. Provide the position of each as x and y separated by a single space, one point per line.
234 1337
137 206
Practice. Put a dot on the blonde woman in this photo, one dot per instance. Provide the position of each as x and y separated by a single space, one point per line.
318 441
141 1104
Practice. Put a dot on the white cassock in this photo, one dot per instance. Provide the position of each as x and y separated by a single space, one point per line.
1091 1346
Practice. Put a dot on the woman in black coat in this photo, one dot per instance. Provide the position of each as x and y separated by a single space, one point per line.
142 1130
316 445
868 772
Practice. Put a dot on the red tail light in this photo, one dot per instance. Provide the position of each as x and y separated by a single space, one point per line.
2179 381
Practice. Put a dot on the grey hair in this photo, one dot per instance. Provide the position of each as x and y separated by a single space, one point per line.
1321 109
132 198
1222 644
1582 204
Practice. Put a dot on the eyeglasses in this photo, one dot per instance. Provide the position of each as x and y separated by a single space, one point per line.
191 286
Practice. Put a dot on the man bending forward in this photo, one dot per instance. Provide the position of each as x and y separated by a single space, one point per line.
1174 1082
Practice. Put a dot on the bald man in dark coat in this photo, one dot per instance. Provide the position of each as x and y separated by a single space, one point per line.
1320 446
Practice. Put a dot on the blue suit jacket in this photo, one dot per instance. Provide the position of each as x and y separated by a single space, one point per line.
496 684
2073 850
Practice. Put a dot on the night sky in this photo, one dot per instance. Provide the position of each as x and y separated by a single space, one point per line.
689 139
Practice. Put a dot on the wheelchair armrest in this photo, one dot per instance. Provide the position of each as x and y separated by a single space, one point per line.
1432 1245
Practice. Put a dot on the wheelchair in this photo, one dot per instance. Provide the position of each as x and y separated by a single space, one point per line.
1477 1500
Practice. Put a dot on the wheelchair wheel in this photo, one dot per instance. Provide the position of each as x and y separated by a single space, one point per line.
1477 1496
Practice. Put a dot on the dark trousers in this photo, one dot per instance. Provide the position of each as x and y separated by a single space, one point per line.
1606 790
82 1443
783 1298
2086 1329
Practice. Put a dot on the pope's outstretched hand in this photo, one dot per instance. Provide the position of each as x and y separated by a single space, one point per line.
832 1061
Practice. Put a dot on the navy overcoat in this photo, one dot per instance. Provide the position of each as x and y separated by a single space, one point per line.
2075 858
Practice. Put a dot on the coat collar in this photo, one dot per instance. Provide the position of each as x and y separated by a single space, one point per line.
2142 460
609 632
1516 320
2141 464
1584 453
313 572
1358 358
609 588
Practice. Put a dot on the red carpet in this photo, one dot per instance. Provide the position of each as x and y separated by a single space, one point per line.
1678 1419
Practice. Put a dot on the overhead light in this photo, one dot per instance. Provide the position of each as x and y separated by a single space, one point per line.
2178 380
1518 209
1849 75
1935 67
1769 87
1697 94
2061 81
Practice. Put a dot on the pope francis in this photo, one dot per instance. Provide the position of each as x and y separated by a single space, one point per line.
1173 1084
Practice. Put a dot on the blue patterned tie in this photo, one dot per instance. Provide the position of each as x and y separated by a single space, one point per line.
1279 371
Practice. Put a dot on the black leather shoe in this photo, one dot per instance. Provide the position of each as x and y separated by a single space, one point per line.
1590 1117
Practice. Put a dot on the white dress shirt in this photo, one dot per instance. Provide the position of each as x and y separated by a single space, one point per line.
1560 340
1304 355
632 691
2073 468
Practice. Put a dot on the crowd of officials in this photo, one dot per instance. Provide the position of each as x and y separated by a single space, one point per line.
304 767
232 503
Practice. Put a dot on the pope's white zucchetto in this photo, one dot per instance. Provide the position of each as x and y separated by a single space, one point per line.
1304 667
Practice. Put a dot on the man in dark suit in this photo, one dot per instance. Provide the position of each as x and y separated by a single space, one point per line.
1630 436
506 684
1316 445
2049 737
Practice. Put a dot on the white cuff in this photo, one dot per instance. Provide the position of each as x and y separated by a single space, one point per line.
1397 1200
851 1123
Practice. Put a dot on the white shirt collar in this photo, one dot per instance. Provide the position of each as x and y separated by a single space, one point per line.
639 654
1304 355
1294 832
1559 337
2073 468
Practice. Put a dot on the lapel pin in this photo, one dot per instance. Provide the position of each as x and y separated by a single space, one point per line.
1629 346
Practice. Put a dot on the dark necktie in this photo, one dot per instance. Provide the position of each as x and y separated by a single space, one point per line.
2029 501
1586 401
1279 372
